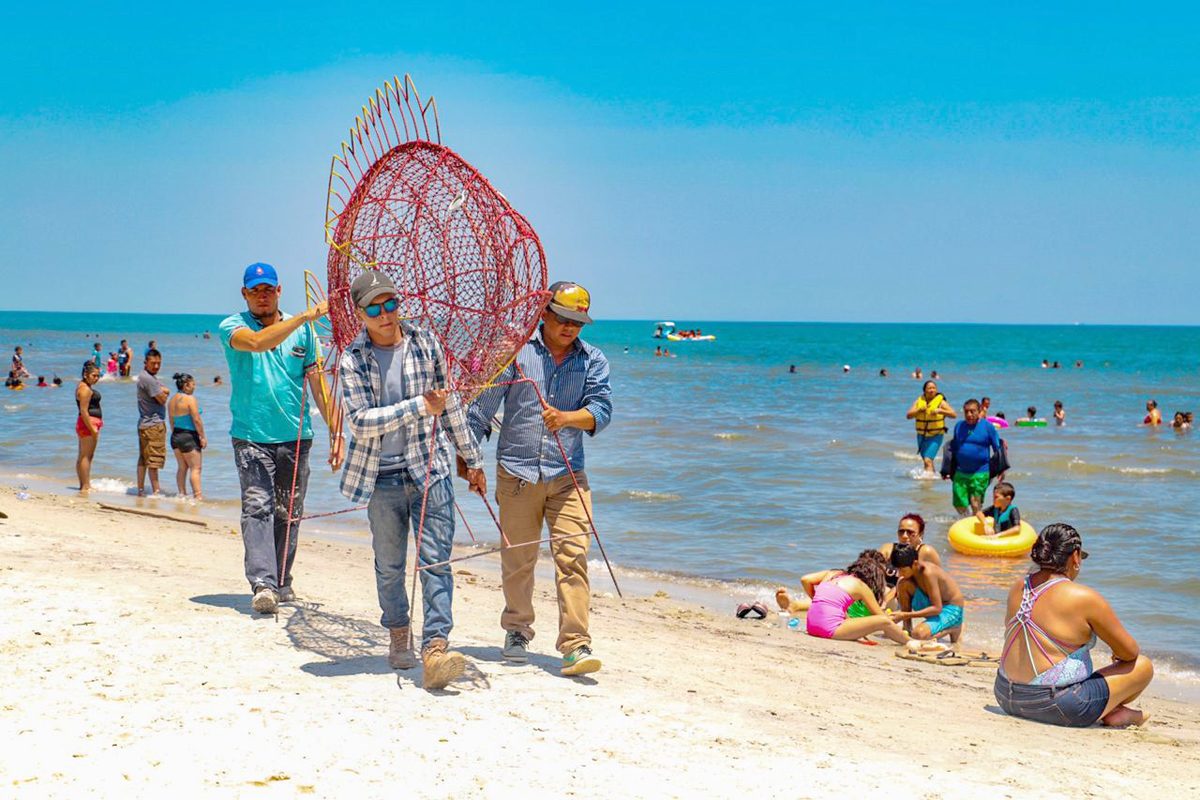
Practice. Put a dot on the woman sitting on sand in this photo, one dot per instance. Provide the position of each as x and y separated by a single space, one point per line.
1046 668
833 591
911 530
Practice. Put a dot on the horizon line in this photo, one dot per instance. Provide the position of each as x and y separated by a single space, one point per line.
651 322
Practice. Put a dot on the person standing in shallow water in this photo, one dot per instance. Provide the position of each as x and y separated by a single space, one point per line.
974 441
88 424
270 355
152 423
930 411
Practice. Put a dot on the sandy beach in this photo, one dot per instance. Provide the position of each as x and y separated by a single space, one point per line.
135 665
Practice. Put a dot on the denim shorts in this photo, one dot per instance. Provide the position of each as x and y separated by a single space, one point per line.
1076 706
928 446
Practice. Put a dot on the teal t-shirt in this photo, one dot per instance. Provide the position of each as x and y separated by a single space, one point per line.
266 388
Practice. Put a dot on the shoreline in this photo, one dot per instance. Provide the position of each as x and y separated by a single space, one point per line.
138 664
1177 677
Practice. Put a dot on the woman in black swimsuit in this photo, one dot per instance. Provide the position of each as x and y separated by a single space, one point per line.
88 424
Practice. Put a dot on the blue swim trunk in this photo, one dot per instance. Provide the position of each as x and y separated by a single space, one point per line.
951 616
929 446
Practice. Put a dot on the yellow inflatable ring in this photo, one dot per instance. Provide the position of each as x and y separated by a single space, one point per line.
966 536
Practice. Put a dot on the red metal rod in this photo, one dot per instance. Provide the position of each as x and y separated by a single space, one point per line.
494 550
575 481
466 524
328 514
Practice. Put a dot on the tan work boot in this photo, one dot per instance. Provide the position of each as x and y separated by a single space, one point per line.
441 665
400 655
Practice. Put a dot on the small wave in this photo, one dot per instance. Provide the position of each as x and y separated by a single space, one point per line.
918 474
729 436
17 407
906 456
651 497
1079 464
112 486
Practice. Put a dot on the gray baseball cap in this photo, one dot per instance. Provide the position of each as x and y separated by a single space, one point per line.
369 286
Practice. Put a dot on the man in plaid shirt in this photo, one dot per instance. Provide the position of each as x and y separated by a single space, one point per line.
394 388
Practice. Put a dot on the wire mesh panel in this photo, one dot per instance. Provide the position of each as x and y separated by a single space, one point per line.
467 266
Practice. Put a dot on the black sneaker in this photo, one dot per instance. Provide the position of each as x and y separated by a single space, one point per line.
265 600
286 595
515 647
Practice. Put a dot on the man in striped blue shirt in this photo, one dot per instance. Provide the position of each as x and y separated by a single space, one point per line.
533 483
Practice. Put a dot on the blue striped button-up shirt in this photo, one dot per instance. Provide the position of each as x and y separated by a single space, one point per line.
527 449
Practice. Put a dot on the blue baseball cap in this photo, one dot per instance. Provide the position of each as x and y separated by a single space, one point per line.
259 273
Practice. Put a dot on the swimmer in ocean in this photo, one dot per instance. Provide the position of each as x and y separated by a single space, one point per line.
1060 413
1153 415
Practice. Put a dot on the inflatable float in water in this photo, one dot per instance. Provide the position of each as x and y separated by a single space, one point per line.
966 536
999 422
1031 423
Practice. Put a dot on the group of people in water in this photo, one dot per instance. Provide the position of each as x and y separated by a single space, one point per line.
1182 421
155 405
1045 671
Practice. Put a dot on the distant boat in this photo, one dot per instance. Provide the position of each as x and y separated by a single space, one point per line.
666 330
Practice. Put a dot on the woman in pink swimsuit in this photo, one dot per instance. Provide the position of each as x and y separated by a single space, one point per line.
834 590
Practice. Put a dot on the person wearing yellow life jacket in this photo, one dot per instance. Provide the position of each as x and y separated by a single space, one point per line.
930 411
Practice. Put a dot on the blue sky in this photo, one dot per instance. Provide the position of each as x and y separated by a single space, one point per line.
858 162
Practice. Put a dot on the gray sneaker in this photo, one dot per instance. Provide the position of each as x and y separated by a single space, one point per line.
265 600
287 595
515 647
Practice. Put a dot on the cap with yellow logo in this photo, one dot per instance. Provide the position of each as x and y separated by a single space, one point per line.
570 300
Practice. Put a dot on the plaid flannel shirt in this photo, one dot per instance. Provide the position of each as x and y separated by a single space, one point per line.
362 384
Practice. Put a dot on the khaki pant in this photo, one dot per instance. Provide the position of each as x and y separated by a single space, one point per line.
524 507
152 446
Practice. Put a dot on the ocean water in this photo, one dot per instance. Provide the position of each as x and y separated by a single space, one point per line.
721 465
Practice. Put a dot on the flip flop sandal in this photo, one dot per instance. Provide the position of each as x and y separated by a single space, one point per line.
746 609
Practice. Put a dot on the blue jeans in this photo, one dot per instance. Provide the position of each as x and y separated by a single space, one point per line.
395 505
1076 706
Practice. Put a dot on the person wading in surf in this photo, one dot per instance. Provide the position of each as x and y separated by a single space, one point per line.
533 484
930 411
270 355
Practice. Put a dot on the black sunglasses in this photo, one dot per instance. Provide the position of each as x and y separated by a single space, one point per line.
566 321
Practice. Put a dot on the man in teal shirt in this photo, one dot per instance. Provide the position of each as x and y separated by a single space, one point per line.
270 355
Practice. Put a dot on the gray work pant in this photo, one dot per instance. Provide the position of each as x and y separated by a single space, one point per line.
265 471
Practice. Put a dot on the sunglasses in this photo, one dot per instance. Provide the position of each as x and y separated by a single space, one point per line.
375 309
564 321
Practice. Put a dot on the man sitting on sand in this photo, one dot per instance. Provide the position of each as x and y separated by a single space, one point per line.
394 385
926 590
270 355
